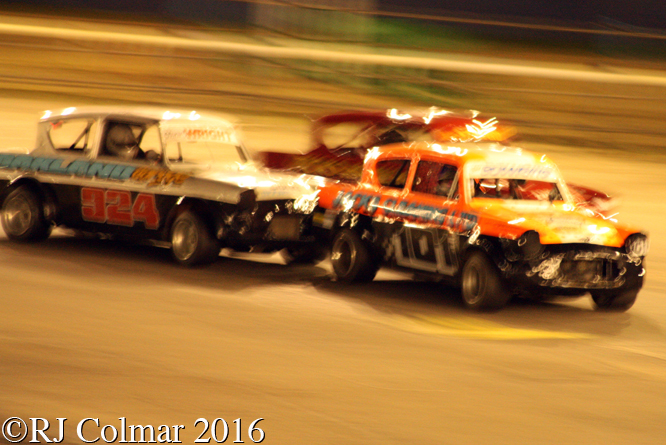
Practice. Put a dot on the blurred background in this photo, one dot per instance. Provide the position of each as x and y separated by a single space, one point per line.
579 60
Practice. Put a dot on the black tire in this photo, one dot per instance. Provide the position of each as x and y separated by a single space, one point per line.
614 301
23 216
352 258
192 242
309 254
482 287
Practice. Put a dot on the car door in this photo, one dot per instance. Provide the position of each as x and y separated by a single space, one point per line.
140 201
98 190
429 239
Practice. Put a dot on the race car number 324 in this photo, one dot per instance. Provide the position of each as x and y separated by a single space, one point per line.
116 207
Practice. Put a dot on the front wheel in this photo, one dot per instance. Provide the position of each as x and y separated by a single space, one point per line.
352 258
192 242
23 216
482 286
618 301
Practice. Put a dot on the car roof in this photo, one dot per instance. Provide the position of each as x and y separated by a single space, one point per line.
146 113
477 159
416 117
463 152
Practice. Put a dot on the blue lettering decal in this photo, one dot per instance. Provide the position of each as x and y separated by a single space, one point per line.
42 164
450 218
338 198
57 167
6 160
362 202
60 166
78 168
22 162
388 205
428 213
100 170
127 173
440 215
117 172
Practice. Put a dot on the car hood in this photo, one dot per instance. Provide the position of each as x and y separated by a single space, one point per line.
556 223
267 185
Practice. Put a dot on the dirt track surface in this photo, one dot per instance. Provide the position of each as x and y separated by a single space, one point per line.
105 330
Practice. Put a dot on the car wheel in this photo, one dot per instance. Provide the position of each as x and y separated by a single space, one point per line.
614 301
482 286
352 259
303 254
192 242
23 216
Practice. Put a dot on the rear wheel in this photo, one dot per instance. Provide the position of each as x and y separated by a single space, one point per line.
23 216
192 242
482 286
618 301
352 258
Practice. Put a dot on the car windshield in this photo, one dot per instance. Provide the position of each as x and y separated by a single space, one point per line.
522 189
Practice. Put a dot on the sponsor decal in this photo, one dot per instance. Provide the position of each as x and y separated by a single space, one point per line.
87 169
198 133
67 167
511 170
406 210
155 177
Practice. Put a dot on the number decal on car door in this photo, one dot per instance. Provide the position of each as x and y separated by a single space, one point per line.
116 207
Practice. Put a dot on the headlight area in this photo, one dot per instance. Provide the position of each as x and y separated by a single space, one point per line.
526 247
270 221
637 245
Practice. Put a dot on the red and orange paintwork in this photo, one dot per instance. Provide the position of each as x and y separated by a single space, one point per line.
557 222
335 163
442 126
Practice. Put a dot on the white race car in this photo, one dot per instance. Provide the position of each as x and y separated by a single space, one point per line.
182 177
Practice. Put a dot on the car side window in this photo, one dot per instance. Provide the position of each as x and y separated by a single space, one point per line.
74 136
435 178
151 143
393 173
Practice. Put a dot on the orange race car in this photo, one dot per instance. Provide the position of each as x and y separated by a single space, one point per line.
340 142
495 220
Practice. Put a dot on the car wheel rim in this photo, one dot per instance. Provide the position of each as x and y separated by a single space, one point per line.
472 286
18 216
184 240
344 256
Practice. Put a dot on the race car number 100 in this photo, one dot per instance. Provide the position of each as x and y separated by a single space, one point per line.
116 207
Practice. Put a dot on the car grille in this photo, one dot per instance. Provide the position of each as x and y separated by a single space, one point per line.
589 271
570 266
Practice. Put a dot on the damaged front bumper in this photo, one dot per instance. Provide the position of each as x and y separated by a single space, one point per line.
266 226
575 270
